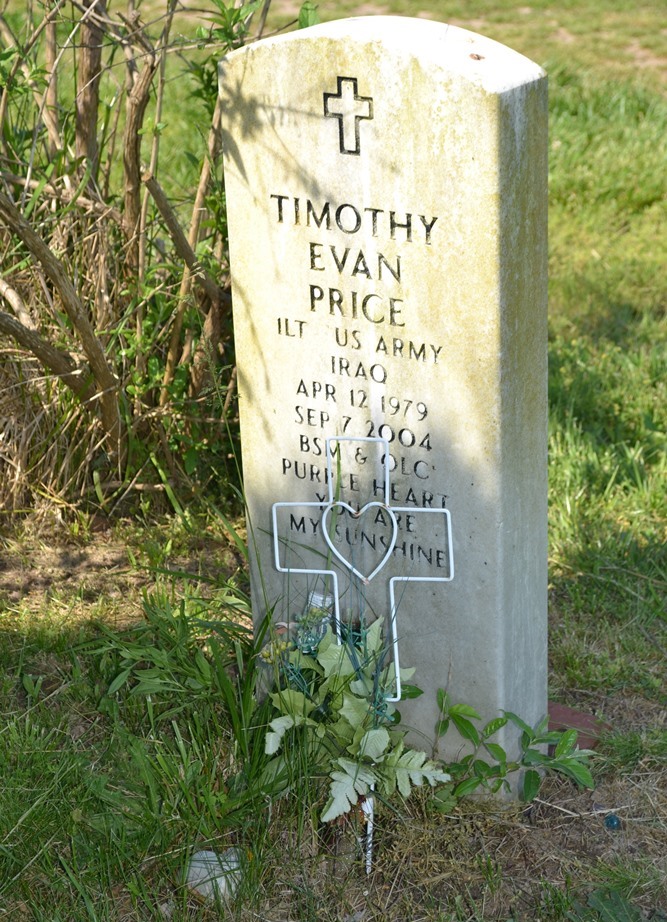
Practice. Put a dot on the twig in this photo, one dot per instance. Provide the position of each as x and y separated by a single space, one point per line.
19 63
60 363
135 109
155 149
198 211
54 269
231 387
15 301
66 195
183 248
579 816
87 91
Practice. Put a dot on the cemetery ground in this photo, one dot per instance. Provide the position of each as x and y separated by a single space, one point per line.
108 783
106 792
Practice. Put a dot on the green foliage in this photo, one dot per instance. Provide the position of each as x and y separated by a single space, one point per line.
308 14
173 372
487 766
177 661
605 905
332 705
231 23
607 374
95 802
625 752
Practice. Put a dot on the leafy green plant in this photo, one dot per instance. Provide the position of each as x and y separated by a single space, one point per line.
176 660
182 697
606 905
231 24
488 767
333 704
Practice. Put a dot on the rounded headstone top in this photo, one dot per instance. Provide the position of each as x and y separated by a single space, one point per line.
476 58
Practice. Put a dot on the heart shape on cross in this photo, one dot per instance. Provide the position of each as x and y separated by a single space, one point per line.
358 515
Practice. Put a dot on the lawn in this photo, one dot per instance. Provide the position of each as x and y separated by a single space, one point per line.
126 740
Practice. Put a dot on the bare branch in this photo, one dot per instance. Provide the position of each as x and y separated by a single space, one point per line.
51 94
104 376
67 195
198 213
137 100
204 357
54 360
182 246
155 145
88 90
15 301
21 64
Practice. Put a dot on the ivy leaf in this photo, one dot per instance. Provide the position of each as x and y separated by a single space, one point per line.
291 701
411 691
388 680
361 688
466 787
442 727
465 710
493 726
280 726
302 661
413 768
444 799
521 724
535 757
374 640
467 730
341 731
355 710
335 660
497 752
482 769
574 769
394 756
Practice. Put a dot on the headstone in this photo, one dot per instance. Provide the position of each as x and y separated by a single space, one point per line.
386 197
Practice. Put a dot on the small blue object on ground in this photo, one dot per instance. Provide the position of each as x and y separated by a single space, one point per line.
611 821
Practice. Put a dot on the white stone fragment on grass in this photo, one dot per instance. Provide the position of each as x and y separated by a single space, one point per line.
215 876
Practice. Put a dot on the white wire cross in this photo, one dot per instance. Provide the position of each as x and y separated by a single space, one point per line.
333 504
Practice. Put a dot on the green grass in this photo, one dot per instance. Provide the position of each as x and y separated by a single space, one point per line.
608 385
104 794
607 37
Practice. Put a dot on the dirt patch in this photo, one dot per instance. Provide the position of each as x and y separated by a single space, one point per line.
646 59
564 36
104 577
92 570
70 584
490 862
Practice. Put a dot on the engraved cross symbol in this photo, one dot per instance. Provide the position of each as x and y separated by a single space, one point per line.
350 109
333 505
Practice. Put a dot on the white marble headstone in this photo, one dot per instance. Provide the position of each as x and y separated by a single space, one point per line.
386 184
